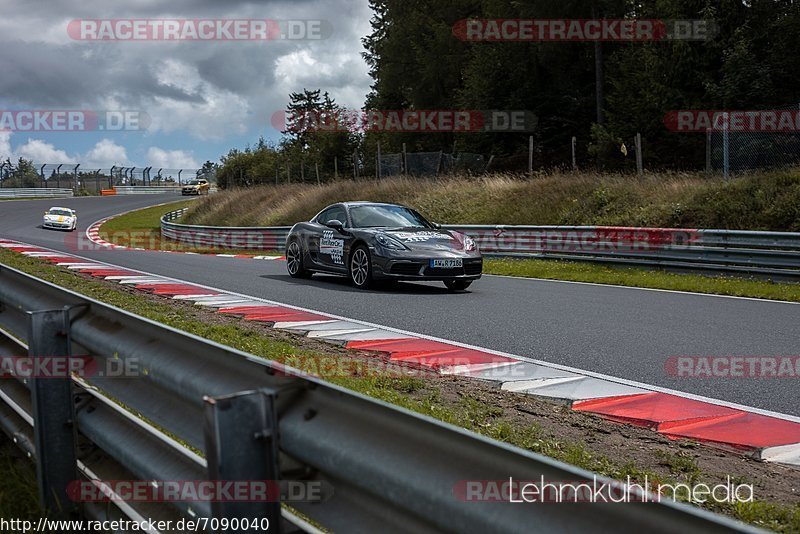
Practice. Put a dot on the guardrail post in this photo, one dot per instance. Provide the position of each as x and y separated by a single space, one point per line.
53 413
241 438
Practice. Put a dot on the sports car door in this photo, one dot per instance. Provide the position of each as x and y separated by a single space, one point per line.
331 246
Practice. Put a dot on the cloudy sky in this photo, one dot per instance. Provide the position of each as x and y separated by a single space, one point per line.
201 97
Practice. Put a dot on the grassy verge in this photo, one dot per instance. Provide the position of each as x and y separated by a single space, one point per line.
633 277
18 494
763 201
533 424
142 229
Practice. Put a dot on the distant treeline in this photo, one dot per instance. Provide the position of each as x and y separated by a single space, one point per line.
419 59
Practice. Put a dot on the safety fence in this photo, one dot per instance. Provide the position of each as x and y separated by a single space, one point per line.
772 254
35 192
199 411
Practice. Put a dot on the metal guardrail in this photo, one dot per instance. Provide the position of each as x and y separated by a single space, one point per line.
271 238
204 411
36 192
152 189
773 254
146 190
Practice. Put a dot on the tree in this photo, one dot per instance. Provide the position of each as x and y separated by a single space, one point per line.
209 170
23 174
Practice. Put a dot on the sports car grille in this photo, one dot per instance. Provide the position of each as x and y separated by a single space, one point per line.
430 271
406 268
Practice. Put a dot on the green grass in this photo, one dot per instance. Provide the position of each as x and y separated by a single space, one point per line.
417 394
142 229
654 279
18 493
142 220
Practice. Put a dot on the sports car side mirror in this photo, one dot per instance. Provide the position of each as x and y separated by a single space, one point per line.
336 225
436 225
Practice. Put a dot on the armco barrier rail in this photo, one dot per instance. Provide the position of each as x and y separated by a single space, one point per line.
270 238
209 412
36 192
773 254
151 189
146 190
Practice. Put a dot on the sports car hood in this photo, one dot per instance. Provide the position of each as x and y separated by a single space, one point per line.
428 238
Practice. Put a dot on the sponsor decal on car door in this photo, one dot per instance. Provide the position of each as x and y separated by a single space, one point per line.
331 247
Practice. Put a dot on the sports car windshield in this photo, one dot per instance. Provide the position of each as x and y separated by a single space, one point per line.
194 182
59 212
386 217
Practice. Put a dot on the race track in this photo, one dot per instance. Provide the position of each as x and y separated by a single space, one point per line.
623 332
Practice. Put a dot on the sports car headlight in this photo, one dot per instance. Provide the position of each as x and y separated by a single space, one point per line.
387 241
469 244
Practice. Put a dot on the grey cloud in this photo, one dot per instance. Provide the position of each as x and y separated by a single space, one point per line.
41 72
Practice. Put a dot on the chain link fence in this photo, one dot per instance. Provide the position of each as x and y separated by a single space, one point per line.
431 163
91 180
733 150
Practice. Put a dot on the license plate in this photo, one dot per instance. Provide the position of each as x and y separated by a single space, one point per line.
447 264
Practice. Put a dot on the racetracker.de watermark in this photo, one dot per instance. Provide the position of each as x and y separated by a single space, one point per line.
414 365
84 491
543 30
67 366
72 120
407 120
733 367
744 121
198 30
266 241
597 239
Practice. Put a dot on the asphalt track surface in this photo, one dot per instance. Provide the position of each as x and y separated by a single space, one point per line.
623 332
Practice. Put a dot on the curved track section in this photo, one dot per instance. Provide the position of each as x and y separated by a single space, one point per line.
623 332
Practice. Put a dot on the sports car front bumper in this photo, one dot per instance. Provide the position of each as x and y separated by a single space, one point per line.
66 225
418 268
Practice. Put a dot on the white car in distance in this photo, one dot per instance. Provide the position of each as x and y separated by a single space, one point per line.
60 219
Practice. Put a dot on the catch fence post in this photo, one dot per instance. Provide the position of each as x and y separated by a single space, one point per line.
378 163
726 154
574 161
530 156
638 145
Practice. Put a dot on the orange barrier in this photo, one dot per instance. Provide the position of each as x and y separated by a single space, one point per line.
107 192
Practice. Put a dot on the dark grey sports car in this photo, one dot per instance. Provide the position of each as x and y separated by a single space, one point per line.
368 241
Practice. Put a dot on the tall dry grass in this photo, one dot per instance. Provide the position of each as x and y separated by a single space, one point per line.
761 201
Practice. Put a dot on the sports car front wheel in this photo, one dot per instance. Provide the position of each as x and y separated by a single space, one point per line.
360 267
